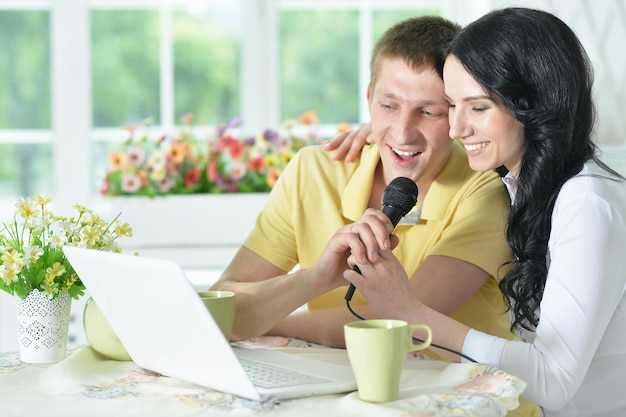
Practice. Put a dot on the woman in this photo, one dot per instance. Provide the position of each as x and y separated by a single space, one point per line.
519 86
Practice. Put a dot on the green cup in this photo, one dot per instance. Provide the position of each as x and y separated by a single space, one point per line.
221 305
377 350
100 335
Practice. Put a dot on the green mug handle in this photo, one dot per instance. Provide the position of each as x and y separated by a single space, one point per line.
426 343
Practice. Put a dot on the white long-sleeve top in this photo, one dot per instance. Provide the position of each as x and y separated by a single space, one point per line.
576 364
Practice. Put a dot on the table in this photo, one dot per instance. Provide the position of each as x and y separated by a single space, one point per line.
86 384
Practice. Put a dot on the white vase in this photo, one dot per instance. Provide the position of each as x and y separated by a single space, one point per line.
43 325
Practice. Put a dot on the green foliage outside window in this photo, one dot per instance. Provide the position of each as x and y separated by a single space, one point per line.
125 66
24 76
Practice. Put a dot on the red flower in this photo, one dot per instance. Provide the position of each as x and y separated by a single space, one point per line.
192 176
236 150
225 141
256 164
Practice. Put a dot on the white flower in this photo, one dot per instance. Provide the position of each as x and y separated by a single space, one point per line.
32 253
8 275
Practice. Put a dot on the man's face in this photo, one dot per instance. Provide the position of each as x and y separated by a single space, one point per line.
409 119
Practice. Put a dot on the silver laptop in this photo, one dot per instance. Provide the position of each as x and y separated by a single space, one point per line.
166 328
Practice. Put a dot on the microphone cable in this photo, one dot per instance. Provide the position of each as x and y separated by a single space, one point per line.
415 339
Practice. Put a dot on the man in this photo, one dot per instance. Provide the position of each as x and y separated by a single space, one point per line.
451 245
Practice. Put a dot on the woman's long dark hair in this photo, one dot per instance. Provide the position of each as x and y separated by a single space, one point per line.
534 64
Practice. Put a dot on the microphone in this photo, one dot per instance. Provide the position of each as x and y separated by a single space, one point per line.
399 197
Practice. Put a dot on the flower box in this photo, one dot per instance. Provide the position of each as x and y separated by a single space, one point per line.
199 231
218 163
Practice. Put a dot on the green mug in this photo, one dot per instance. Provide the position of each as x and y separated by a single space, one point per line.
100 335
221 305
377 350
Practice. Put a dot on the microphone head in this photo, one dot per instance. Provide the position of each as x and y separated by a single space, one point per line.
401 193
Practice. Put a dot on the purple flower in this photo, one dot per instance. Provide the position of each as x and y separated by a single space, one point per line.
270 135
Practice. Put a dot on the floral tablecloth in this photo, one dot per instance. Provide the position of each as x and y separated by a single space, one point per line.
85 384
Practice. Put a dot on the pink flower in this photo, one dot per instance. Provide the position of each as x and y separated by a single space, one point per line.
212 173
136 156
131 183
187 118
237 171
487 383
136 376
165 185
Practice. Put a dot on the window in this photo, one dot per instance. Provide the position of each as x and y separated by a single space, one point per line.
75 73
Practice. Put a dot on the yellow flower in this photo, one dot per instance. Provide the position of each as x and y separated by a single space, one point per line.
272 161
56 270
27 209
158 173
90 235
51 288
42 200
123 229
13 258
70 281
80 209
286 157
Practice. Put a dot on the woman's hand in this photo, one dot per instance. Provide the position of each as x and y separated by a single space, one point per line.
348 144
363 240
385 285
383 280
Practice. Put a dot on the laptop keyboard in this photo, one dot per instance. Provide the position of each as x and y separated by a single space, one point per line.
271 376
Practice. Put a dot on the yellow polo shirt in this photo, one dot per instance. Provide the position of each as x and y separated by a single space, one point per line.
463 216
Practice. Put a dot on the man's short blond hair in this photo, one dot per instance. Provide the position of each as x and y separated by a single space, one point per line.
418 41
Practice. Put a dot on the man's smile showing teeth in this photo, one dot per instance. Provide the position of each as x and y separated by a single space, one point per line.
475 146
403 153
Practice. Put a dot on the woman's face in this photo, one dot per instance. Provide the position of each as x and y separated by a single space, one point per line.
491 135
